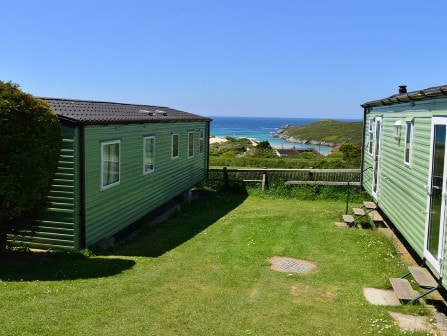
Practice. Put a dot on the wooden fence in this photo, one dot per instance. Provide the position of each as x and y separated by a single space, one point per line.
334 177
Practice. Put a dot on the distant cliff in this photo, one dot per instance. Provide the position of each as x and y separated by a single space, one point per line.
323 132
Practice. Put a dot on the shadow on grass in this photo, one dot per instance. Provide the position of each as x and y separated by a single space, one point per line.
155 241
28 266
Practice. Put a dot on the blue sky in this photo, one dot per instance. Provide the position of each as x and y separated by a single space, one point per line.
236 58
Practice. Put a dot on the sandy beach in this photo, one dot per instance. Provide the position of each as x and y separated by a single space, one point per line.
217 140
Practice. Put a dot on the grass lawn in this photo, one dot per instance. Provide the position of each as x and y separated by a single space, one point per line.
205 273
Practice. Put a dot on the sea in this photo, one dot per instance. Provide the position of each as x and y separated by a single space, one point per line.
262 129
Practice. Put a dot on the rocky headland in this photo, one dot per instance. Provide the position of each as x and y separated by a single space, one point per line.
282 134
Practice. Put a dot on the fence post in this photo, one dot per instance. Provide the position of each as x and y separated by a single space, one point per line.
311 176
265 181
347 198
225 177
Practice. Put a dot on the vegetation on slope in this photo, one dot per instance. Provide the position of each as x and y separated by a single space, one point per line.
301 161
231 147
240 152
331 131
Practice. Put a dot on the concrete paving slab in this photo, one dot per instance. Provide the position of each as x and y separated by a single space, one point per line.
440 318
381 297
386 231
411 322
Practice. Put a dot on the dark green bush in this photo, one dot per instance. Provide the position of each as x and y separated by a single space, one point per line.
30 143
351 152
264 145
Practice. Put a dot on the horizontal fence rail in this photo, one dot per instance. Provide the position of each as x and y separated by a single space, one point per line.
287 176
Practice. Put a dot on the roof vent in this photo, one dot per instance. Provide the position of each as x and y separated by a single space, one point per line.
146 112
402 89
160 112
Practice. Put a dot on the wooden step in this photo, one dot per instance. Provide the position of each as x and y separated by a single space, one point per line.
369 205
358 211
403 289
341 224
422 277
375 216
348 219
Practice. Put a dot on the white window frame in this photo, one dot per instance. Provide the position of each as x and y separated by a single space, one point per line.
410 144
103 144
438 264
201 142
172 146
371 128
144 154
189 142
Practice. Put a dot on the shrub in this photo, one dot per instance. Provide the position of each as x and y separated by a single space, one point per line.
264 145
351 152
30 141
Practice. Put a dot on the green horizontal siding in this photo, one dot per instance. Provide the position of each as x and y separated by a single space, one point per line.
403 189
112 209
59 228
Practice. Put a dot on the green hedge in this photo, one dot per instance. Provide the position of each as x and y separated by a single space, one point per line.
30 143
299 192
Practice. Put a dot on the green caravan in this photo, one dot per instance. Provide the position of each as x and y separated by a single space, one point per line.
404 168
118 163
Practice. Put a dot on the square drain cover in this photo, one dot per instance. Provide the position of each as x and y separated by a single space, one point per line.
291 265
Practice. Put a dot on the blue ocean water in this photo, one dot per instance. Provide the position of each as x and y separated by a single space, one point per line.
261 129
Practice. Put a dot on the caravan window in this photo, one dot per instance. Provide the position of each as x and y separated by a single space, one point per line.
148 154
110 163
201 142
371 136
190 144
409 143
174 145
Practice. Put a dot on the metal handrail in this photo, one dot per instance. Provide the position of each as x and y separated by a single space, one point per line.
349 188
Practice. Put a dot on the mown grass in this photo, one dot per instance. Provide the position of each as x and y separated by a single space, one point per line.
205 272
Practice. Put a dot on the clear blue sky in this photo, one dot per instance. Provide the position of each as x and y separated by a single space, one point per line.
245 58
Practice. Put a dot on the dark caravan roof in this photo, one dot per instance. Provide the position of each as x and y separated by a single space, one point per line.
429 93
96 112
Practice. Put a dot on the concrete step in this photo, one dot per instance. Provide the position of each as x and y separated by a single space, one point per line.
375 216
369 205
422 276
348 219
358 211
341 224
403 289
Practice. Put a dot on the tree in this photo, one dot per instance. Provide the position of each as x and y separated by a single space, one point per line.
264 145
30 143
351 153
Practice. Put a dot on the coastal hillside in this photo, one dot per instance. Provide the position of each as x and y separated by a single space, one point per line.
242 153
330 132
